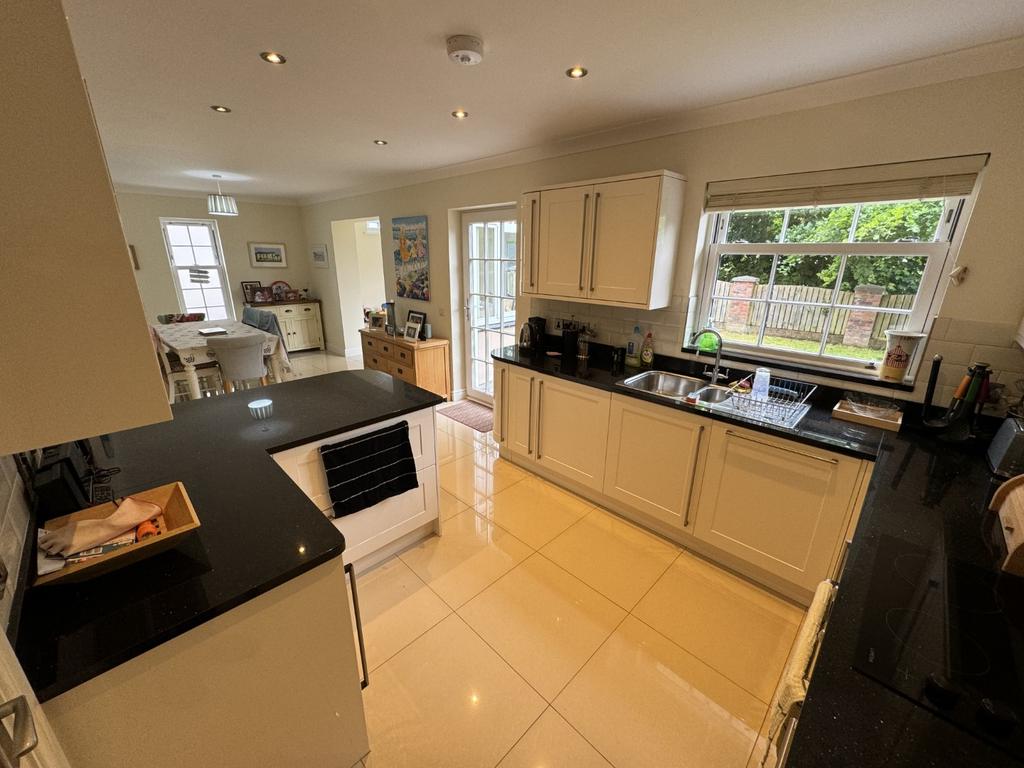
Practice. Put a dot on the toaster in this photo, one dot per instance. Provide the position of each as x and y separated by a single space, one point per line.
1006 451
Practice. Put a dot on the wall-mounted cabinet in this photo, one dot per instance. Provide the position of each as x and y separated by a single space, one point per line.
607 241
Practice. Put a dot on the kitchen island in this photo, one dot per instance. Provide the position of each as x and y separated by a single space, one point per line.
236 646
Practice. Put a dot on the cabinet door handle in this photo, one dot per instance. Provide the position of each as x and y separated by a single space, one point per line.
540 403
350 571
529 422
693 472
782 448
533 226
24 738
583 236
500 396
288 310
593 241
306 309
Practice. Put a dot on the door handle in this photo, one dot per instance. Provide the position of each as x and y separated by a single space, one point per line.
782 448
24 738
529 422
533 226
693 472
540 403
350 572
593 241
583 236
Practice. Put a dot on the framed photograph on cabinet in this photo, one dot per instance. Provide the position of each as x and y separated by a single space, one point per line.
267 255
249 288
412 331
321 256
416 317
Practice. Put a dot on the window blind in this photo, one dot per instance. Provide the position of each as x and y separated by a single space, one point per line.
943 177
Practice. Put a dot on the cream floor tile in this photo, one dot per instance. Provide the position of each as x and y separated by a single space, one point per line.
468 434
644 701
446 700
396 608
534 510
617 559
450 506
471 555
477 477
450 447
740 630
543 621
552 743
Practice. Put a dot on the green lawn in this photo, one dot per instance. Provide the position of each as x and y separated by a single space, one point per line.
807 345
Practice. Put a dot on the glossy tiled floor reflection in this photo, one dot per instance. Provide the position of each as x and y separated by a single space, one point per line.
541 631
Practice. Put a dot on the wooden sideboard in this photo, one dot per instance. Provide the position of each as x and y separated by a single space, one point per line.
426 364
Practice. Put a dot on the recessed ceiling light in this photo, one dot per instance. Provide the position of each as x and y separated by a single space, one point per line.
380 142
460 114
273 57
576 72
219 108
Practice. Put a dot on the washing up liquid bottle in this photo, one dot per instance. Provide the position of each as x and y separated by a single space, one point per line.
633 348
647 351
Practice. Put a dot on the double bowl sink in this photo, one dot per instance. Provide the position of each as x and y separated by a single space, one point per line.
678 388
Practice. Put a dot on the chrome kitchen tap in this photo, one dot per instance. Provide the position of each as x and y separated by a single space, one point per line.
715 375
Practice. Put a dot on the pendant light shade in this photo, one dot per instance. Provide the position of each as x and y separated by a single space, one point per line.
220 204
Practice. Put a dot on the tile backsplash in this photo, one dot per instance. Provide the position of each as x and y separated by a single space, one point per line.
14 517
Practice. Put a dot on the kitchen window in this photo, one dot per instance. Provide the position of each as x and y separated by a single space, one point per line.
197 267
819 281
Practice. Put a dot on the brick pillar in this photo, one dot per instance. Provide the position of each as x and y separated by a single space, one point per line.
859 324
737 313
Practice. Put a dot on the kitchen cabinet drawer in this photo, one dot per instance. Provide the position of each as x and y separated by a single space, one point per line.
779 505
387 349
652 458
375 362
402 355
402 371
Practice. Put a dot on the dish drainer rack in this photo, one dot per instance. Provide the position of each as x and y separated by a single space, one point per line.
785 404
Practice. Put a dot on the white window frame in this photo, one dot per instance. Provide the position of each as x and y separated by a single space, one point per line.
220 267
941 254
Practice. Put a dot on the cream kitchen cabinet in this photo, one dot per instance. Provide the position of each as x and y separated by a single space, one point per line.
300 324
518 398
572 430
652 458
608 241
779 505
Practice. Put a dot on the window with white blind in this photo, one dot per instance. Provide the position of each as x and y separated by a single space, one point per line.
197 265
814 268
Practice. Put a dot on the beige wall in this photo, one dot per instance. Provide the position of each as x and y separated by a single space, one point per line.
371 266
981 114
256 222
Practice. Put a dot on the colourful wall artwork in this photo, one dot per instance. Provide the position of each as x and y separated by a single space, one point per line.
412 257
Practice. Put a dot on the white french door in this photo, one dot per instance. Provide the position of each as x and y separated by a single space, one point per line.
489 278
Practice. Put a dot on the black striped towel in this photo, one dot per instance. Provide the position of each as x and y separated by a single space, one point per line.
368 469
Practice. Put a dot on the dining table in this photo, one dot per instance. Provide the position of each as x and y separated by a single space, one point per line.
185 340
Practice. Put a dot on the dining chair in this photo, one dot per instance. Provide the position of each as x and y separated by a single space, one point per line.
267 321
240 359
174 372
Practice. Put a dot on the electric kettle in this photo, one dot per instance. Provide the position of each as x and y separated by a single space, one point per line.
528 339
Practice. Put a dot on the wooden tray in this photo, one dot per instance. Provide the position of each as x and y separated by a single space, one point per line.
179 517
843 410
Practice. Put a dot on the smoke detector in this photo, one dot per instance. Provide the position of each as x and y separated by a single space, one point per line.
465 49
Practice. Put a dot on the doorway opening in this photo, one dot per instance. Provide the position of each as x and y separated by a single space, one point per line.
359 271
489 287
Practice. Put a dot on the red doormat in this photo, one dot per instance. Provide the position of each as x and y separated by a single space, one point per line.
479 417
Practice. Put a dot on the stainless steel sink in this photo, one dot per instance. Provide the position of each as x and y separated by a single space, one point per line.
713 395
671 386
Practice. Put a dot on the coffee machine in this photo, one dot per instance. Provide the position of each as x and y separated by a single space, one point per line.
531 335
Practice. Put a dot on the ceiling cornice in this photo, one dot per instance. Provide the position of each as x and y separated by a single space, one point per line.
955 65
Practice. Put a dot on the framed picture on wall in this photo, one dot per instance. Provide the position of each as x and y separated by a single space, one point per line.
267 255
249 288
321 256
412 257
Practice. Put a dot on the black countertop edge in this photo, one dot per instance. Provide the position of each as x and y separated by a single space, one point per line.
816 429
258 529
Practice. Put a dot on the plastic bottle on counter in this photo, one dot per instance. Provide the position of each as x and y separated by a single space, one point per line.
647 351
633 348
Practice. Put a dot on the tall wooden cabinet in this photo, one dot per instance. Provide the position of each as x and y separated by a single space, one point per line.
609 241
79 357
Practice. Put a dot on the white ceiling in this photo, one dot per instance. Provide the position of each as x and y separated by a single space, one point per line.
364 69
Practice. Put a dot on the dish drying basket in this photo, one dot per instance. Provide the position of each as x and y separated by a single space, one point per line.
785 398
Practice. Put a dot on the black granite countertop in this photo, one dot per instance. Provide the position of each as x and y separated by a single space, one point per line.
258 530
935 495
817 428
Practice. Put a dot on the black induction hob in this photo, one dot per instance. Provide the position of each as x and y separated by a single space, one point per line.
949 635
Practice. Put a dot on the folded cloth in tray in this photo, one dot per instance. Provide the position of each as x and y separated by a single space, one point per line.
367 469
